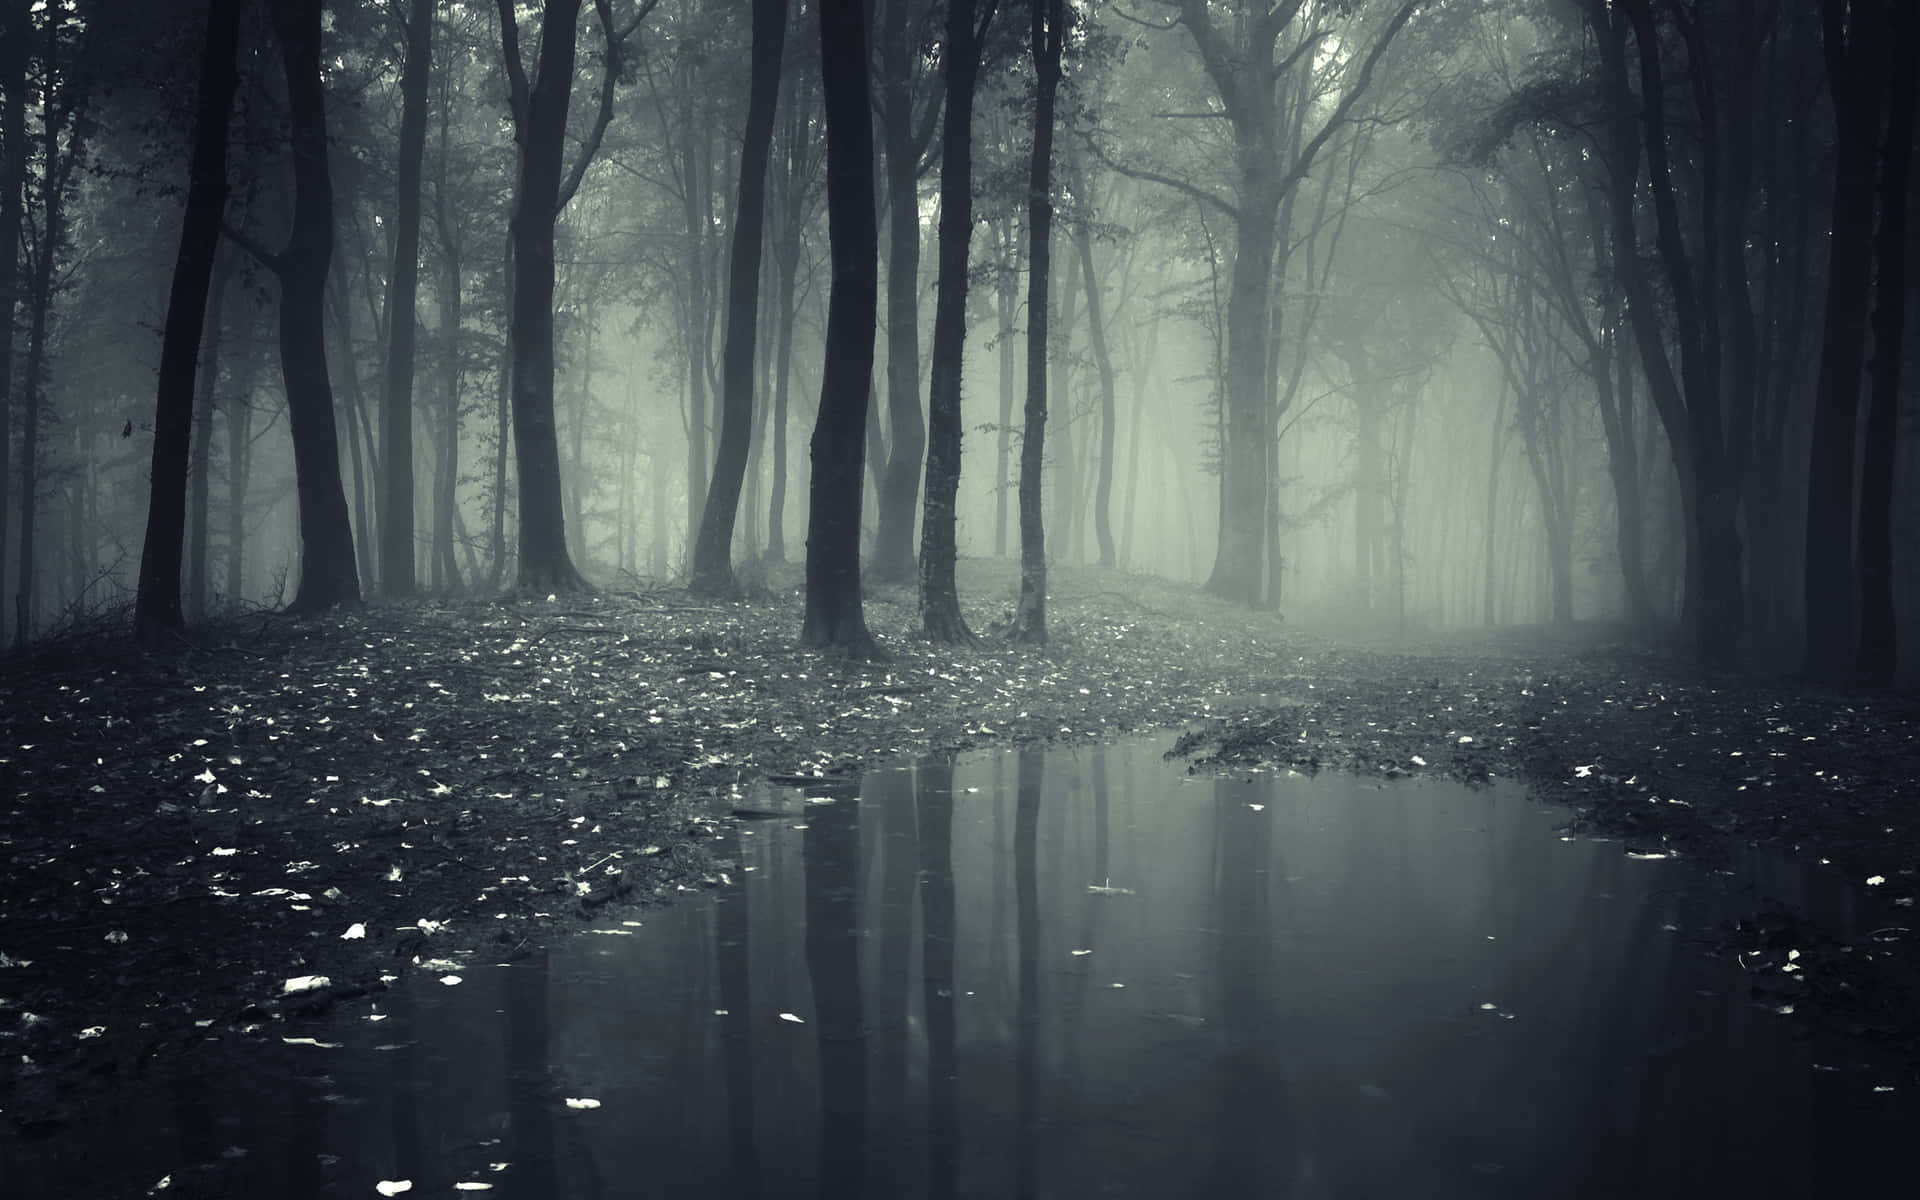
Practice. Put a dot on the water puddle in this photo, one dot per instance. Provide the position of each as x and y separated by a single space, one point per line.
1082 973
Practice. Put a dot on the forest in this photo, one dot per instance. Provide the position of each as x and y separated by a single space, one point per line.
552 417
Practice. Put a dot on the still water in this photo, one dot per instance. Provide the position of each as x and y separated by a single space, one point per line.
1080 972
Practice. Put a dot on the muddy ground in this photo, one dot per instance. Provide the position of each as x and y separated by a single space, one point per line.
376 792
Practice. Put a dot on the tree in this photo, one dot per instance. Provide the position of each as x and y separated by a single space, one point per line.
539 109
1047 42
16 24
906 133
833 608
328 575
157 603
1879 642
396 410
712 571
1244 59
940 617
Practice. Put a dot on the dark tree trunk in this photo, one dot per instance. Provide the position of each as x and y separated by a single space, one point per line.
1879 643
940 616
1856 74
906 436
712 571
545 565
200 456
157 604
1047 40
328 576
833 613
396 411
16 23
1103 362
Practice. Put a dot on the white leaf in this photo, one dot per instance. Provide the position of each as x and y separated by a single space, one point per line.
582 1103
450 980
470 1186
354 932
1418 761
1078 953
303 983
791 1017
1876 880
393 1187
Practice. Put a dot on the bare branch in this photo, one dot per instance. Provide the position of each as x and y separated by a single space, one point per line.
1162 26
1178 185
251 245
516 70
1304 162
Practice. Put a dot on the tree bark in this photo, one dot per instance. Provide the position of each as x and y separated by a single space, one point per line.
1103 362
545 565
940 616
396 410
712 571
1879 642
200 456
16 25
833 604
328 575
906 436
157 603
1856 74
1046 44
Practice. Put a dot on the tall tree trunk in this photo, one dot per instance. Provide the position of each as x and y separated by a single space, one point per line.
1006 294
1855 43
503 433
239 462
1097 337
1046 43
545 565
1064 527
396 410
359 443
696 209
940 616
16 25
157 603
782 374
1879 643
906 436
328 576
833 606
200 455
712 571
446 483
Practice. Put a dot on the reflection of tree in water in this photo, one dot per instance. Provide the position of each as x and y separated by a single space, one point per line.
403 1087
1254 1135
731 928
899 862
528 1092
1026 828
933 795
831 849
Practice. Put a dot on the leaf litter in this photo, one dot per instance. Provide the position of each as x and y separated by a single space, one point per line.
524 763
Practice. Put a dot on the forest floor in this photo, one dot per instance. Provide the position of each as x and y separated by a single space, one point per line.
379 791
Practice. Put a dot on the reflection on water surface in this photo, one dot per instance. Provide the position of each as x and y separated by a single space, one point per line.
1081 973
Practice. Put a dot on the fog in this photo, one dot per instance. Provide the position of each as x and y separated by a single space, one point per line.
1529 349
